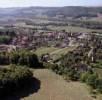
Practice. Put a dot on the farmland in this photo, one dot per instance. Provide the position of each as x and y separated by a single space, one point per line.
73 29
55 25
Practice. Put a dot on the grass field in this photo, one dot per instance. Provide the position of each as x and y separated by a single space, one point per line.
73 29
53 87
58 53
54 52
58 28
44 50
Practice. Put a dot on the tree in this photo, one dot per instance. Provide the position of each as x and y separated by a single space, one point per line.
84 76
14 78
5 39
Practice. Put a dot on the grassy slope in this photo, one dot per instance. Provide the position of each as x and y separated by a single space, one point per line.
53 87
44 50
54 52
58 53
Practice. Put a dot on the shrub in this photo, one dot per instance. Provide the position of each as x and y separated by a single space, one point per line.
73 74
99 85
5 39
92 80
13 79
84 76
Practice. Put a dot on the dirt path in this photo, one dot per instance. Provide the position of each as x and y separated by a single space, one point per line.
53 87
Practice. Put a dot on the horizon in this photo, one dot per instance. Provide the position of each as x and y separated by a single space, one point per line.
46 6
50 3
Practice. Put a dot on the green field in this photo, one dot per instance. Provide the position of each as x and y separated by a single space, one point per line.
58 28
59 53
73 29
55 53
44 50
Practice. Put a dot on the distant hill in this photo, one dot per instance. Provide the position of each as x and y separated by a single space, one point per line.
70 11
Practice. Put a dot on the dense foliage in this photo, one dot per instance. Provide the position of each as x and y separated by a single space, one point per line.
73 64
13 79
78 66
93 80
6 36
20 58
5 39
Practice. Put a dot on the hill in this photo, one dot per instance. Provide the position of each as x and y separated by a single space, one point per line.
70 11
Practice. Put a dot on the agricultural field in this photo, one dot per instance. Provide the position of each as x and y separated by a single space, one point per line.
54 25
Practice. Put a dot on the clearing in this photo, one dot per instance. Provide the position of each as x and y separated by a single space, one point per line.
53 87
55 53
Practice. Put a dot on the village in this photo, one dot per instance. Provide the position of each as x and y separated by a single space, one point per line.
27 39
49 46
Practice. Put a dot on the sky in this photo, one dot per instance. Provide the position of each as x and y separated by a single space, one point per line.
26 3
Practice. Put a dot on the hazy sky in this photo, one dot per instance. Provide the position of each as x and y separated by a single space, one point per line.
20 3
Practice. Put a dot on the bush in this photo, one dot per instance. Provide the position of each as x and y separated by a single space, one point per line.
99 85
4 58
13 79
84 76
73 75
92 80
5 39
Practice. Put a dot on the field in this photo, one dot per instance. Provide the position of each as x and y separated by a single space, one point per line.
57 28
53 87
73 29
55 53
44 50
60 52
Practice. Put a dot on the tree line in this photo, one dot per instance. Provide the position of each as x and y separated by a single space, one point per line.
20 57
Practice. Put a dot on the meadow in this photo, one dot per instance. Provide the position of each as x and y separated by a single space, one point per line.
54 52
53 87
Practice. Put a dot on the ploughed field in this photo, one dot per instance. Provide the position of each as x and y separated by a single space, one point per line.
54 87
